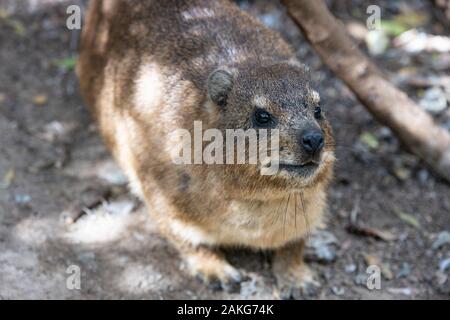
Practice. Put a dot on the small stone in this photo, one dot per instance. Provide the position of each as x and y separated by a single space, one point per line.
415 41
339 291
434 100
325 254
411 41
362 153
404 271
442 238
444 264
56 130
86 256
402 173
403 291
138 236
271 20
249 288
385 133
22 198
377 42
423 176
123 260
350 268
110 172
322 247
441 278
360 279
446 125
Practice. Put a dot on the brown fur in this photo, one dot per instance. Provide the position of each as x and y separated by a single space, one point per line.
145 70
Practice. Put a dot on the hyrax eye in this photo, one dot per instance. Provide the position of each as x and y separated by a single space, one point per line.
317 113
262 117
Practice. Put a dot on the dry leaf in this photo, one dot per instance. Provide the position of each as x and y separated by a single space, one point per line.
40 99
371 260
409 219
9 177
402 173
369 140
385 269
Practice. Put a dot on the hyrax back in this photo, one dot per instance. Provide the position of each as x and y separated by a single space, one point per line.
148 68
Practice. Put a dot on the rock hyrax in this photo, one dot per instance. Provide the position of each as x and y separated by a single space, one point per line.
149 68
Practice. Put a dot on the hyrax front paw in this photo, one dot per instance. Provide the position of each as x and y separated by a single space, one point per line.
297 283
213 269
295 280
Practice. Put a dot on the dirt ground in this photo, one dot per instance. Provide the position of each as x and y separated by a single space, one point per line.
385 207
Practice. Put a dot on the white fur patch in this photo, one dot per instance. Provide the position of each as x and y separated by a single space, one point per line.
149 88
190 233
125 156
315 97
197 13
261 101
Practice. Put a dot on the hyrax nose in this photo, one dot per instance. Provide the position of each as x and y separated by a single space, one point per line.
312 141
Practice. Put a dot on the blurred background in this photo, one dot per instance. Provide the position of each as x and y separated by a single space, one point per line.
64 202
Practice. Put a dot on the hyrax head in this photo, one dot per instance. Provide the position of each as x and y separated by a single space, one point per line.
277 97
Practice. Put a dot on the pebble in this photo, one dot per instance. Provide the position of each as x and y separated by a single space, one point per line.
415 41
88 259
110 172
441 239
272 20
446 125
423 176
360 279
404 271
56 130
434 100
402 173
403 291
22 198
385 133
350 268
444 264
377 42
339 291
249 288
362 153
441 278
322 246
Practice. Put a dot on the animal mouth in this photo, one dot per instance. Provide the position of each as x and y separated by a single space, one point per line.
303 169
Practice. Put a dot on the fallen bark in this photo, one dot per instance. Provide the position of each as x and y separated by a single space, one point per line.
413 126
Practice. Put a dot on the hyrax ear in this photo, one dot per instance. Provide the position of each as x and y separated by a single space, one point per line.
220 83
